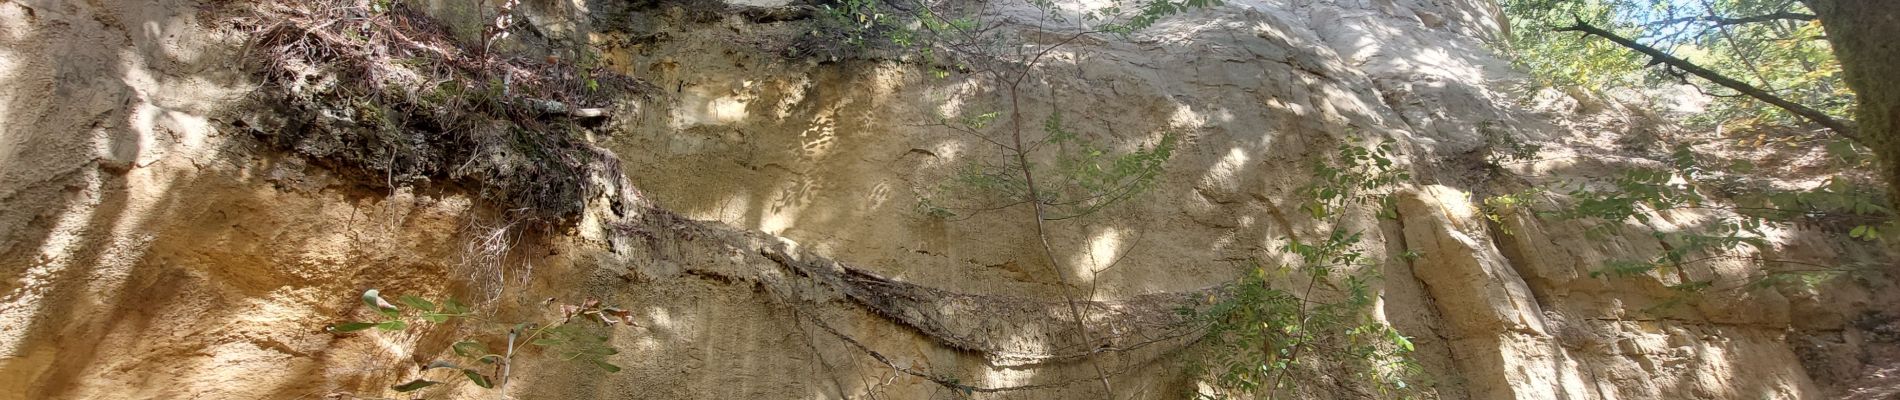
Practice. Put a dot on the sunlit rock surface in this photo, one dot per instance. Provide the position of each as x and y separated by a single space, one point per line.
149 249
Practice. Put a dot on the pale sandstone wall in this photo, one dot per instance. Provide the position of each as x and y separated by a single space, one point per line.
149 251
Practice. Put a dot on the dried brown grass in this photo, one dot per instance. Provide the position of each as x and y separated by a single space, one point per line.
386 91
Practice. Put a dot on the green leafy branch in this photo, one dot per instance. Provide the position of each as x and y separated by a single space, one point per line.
1355 176
1260 337
1738 223
561 337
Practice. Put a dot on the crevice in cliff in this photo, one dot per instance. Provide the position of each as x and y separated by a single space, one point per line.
1407 248
1435 317
1517 260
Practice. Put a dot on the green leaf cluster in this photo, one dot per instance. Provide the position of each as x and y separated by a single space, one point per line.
1357 174
559 337
393 316
1787 57
1735 226
1263 341
1147 13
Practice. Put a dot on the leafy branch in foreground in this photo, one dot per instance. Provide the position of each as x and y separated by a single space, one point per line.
1766 59
1678 66
1261 340
563 337
1736 225
1774 71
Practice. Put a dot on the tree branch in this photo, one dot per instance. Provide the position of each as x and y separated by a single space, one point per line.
1722 21
1761 18
1659 57
1042 233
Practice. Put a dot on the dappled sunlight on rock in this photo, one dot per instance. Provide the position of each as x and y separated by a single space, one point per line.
1105 251
711 106
764 214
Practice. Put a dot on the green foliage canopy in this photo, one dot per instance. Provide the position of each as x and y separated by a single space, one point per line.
1776 45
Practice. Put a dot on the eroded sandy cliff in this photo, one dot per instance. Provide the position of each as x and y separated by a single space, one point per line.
153 246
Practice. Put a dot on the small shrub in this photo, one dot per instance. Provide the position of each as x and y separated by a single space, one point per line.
561 337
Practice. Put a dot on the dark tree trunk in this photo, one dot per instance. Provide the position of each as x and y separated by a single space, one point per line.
1866 38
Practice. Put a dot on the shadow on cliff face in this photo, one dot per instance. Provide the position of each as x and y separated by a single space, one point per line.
1782 328
137 237
135 227
72 166
183 245
836 157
